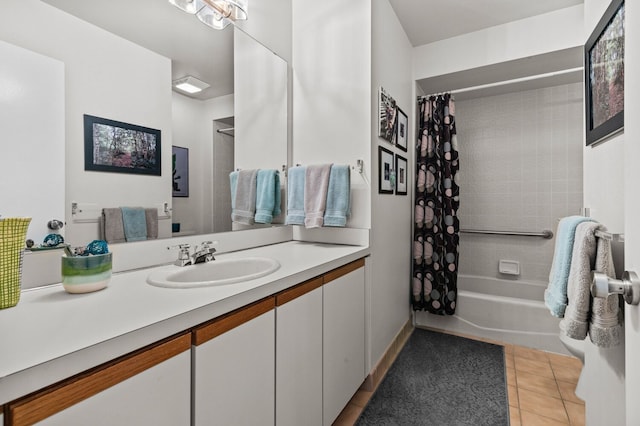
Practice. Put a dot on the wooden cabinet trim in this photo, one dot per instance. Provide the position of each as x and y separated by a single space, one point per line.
233 319
343 270
292 293
45 403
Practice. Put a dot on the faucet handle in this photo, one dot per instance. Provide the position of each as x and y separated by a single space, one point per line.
184 249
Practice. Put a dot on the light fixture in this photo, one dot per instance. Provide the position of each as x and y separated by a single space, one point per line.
215 13
190 84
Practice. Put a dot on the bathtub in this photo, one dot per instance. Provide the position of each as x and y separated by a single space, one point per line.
511 311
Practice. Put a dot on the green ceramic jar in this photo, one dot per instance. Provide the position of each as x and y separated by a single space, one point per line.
83 274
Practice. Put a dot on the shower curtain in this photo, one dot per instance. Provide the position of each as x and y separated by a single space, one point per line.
436 225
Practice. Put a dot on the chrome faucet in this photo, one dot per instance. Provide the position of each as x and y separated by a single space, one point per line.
202 253
184 254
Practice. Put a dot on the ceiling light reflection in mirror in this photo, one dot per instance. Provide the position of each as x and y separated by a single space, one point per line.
214 13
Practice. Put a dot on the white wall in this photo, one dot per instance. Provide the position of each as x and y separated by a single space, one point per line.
108 77
192 130
270 22
260 105
533 36
521 169
32 143
632 224
390 214
332 91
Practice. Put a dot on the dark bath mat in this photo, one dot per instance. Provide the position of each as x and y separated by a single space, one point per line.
442 380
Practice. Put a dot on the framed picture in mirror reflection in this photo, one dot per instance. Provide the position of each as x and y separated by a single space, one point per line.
115 146
180 171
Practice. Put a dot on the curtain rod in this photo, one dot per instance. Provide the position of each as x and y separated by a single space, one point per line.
513 81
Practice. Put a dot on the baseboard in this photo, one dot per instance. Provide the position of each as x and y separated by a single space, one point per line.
376 375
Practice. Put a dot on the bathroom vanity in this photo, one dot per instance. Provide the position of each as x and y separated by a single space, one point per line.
134 353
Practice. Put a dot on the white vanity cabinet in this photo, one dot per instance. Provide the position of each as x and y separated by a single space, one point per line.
343 337
299 355
148 387
234 367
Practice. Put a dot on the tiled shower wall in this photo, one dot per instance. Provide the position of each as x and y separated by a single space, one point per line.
521 169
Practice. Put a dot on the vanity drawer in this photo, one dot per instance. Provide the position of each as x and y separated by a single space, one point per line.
119 390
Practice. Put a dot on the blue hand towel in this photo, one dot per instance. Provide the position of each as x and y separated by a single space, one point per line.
338 196
555 296
295 197
267 196
134 221
244 206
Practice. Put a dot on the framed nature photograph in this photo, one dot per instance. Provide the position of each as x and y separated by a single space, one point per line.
114 146
385 171
604 75
180 171
401 175
402 123
387 117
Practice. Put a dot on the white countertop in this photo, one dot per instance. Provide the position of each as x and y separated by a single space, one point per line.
51 335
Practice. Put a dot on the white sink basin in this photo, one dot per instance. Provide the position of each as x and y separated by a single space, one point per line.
214 273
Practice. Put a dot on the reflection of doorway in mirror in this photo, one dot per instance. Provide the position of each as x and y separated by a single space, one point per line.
223 160
180 171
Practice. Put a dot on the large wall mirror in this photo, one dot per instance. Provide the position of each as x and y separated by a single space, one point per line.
120 58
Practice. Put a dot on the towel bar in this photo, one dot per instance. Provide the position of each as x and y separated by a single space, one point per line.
547 234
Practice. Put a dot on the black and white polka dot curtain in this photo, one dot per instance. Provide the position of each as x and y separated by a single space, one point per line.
437 198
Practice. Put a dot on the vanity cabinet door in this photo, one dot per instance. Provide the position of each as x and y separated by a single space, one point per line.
147 387
343 336
299 355
234 367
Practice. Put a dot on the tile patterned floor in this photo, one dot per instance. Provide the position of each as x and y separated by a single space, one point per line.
541 389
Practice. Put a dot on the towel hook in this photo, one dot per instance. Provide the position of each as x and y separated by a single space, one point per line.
628 286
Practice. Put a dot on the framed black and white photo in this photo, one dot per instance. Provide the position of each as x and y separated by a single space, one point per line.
604 75
387 117
180 171
401 175
114 146
385 171
402 123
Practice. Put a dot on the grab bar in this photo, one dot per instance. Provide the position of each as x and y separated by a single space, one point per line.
547 234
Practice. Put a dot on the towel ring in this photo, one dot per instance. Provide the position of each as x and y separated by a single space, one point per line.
628 286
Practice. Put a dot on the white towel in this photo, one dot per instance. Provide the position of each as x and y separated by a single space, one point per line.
315 194
576 316
605 329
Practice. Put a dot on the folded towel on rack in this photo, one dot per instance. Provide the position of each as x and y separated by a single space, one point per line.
244 206
338 196
151 216
605 329
135 223
295 196
555 296
315 194
112 226
267 196
576 316
233 183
